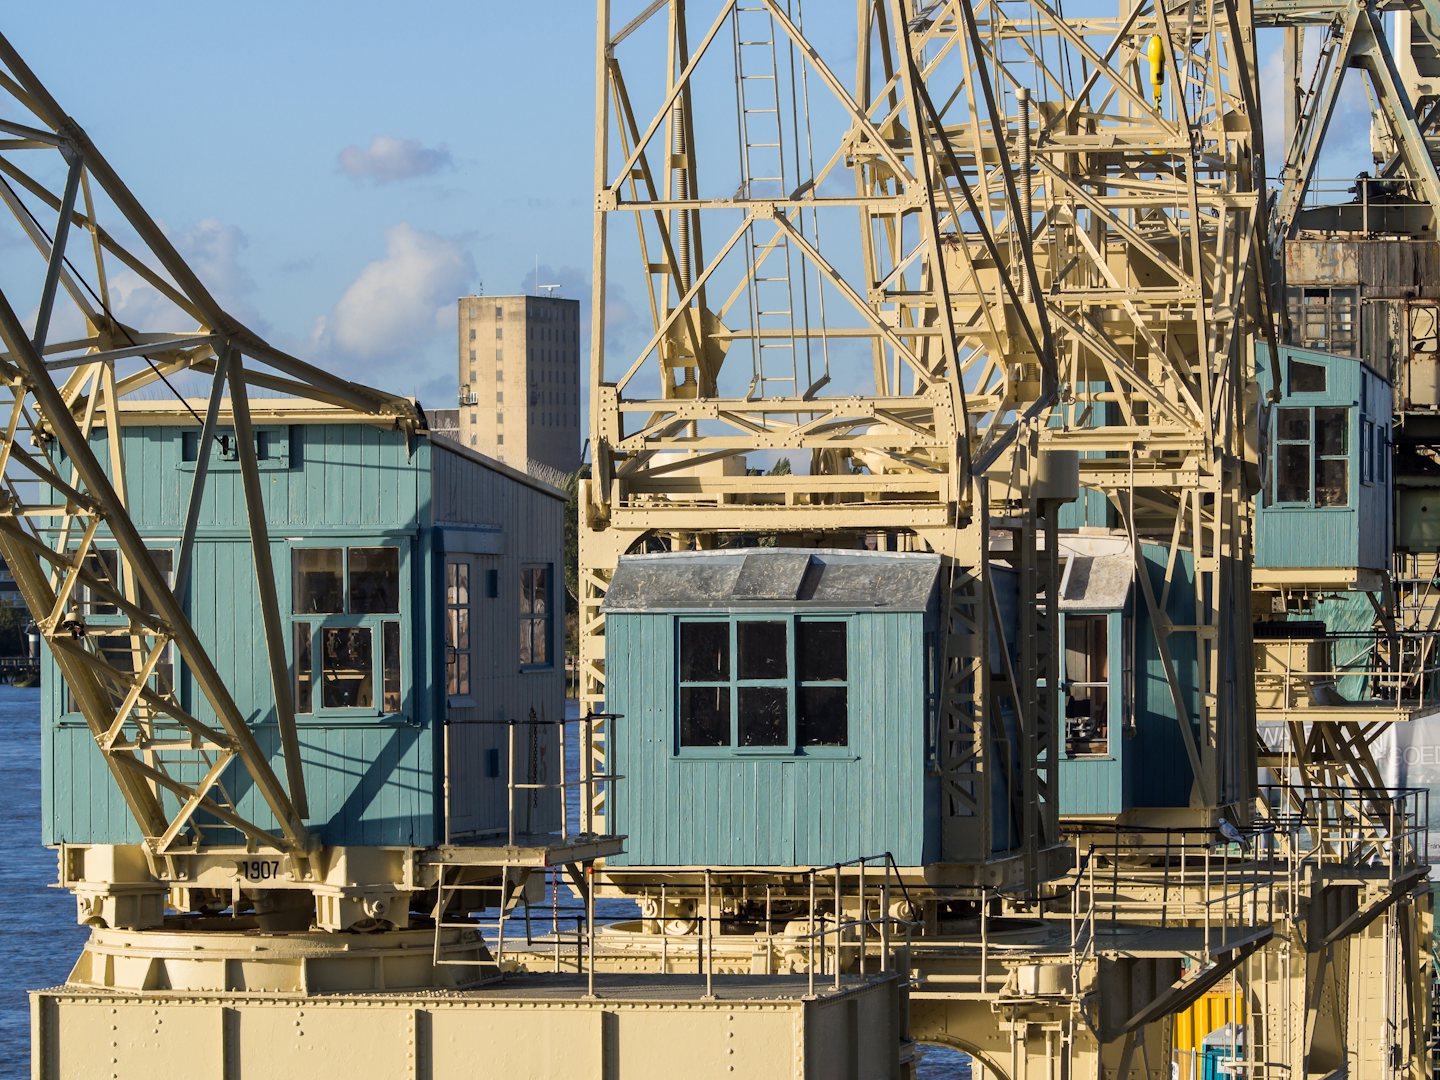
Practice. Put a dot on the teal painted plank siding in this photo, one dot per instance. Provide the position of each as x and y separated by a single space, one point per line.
752 810
371 779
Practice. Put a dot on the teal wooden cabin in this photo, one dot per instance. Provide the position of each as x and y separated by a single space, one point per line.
1123 748
419 583
778 707
1326 497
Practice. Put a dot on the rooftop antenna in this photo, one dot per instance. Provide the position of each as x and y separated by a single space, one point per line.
549 289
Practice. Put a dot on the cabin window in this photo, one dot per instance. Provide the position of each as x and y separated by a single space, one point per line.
339 645
1305 377
110 628
776 684
823 707
457 628
103 564
1087 685
304 670
347 675
535 616
319 580
375 580
392 666
1312 456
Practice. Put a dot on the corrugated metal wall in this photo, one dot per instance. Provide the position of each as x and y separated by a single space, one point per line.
772 810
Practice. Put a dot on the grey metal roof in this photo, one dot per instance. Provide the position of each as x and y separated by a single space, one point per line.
1098 574
773 577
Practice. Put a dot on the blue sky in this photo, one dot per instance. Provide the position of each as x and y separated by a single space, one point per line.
250 132
340 173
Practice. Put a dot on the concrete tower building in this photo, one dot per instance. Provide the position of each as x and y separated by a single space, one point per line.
520 379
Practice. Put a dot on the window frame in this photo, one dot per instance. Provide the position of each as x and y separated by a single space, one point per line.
320 621
1314 457
110 620
735 684
529 617
466 698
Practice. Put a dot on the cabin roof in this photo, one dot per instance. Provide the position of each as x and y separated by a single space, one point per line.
768 577
186 412
1097 573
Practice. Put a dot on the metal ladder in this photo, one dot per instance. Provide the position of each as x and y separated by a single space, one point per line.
467 946
762 174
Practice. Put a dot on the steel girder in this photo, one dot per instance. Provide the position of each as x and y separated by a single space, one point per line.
62 473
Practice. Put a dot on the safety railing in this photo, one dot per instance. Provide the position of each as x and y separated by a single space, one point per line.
517 785
849 923
1372 671
1212 885
1354 828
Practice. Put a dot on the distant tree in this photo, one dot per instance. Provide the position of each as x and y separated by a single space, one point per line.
12 629
571 487
780 468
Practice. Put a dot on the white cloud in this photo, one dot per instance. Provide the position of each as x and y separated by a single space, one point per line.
400 302
212 248
1347 141
388 159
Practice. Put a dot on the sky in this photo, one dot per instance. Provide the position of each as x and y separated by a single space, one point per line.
339 174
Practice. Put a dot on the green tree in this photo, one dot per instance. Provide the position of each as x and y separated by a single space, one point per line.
12 629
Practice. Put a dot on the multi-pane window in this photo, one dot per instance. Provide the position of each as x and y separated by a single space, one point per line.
109 628
1312 456
535 615
457 628
763 684
342 640
1325 318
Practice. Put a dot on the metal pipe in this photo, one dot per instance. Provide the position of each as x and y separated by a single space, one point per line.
510 785
564 787
1022 97
811 937
708 943
590 931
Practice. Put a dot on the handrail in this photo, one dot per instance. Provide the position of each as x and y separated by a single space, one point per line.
587 779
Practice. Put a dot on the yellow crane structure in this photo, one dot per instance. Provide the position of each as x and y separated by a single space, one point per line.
987 290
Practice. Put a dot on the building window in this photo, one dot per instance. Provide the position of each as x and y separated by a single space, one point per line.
1324 318
109 628
499 333
347 674
777 684
355 587
1087 685
535 616
1305 377
457 628
1312 456
499 311
472 333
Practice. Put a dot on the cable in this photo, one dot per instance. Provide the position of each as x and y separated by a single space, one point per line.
103 306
